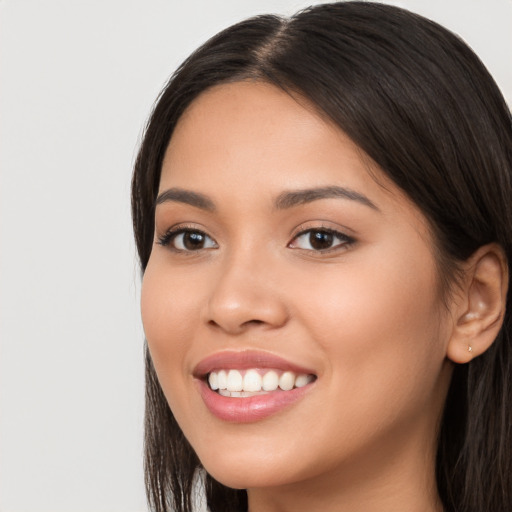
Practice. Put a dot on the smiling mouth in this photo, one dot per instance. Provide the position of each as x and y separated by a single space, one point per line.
255 381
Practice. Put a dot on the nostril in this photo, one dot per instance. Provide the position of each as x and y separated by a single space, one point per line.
242 326
253 322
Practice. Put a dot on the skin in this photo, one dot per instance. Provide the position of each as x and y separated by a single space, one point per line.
366 315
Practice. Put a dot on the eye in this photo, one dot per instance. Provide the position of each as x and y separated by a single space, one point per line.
187 240
320 240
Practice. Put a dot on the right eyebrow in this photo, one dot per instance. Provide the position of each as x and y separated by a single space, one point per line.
293 198
180 195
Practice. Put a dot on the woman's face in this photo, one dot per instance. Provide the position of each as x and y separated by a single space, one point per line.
280 261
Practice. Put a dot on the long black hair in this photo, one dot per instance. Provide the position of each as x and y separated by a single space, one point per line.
420 103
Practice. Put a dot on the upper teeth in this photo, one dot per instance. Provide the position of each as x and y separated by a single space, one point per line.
254 380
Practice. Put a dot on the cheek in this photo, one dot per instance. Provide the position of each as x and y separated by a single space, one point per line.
168 318
379 323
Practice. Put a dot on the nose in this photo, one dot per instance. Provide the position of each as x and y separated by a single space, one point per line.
245 294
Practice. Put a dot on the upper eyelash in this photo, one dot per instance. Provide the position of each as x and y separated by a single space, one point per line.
348 239
325 230
166 238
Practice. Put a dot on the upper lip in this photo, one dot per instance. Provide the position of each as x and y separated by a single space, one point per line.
243 360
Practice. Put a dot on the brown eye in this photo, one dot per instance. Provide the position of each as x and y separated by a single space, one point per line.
192 241
320 240
187 240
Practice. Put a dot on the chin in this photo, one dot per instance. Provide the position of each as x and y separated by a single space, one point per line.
259 467
250 477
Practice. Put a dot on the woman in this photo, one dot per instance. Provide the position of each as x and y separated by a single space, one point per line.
322 212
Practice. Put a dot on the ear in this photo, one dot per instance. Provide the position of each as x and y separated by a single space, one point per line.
479 315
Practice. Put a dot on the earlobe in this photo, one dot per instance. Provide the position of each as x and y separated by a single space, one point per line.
481 312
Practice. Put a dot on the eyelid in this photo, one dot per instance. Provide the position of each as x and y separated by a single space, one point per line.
323 225
165 239
346 240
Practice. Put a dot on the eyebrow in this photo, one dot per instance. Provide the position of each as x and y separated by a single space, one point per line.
297 197
180 195
283 201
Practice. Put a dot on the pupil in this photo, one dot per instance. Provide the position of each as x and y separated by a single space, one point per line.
320 240
193 241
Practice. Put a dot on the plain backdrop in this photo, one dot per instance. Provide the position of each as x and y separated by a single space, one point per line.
77 81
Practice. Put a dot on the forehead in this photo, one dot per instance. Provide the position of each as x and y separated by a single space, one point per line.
253 139
250 128
250 116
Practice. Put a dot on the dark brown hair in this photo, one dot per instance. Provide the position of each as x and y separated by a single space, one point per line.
419 102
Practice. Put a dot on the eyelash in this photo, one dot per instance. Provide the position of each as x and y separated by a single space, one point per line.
169 236
345 240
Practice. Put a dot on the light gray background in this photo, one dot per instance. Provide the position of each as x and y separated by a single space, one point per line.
78 78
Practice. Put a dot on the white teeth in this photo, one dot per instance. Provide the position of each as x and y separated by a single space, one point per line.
235 382
252 382
237 394
213 380
222 379
302 380
286 381
270 381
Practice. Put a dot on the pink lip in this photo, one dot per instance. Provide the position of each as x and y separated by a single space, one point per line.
247 409
243 360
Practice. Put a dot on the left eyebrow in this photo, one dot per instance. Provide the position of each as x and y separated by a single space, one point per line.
297 197
180 195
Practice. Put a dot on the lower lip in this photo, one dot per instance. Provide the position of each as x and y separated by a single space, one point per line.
249 409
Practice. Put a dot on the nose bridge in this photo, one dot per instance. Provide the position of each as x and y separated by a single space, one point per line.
244 292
